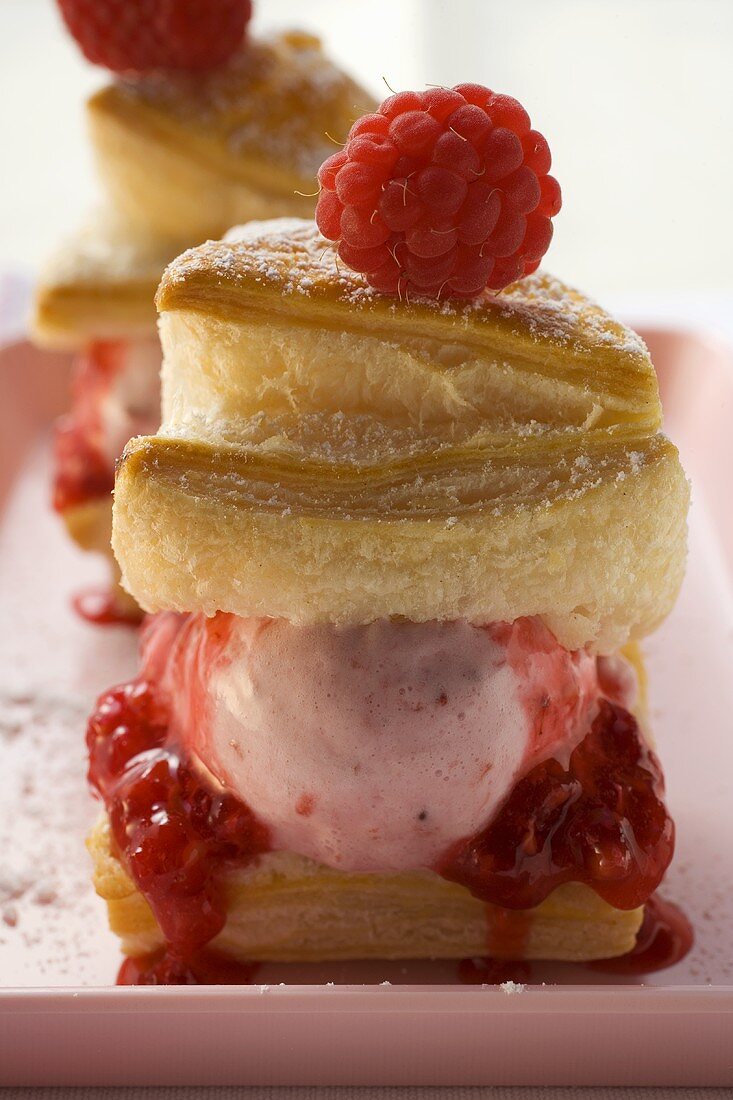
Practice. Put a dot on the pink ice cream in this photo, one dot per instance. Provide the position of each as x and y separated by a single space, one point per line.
129 404
372 748
116 394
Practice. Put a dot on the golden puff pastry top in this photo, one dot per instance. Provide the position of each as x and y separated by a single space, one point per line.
539 353
274 100
100 283
191 153
331 454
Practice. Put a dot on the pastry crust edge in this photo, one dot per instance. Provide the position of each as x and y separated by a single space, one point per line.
283 908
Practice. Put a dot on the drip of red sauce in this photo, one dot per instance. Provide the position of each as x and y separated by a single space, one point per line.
102 607
508 932
174 834
200 968
601 821
665 937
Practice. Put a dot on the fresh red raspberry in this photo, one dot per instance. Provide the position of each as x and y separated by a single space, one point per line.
140 35
441 193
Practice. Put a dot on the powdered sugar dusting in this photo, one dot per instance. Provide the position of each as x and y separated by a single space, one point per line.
273 101
511 988
291 255
106 251
52 927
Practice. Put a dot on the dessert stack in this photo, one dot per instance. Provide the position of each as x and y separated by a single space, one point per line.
203 126
408 512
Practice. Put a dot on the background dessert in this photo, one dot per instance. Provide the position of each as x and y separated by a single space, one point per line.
181 153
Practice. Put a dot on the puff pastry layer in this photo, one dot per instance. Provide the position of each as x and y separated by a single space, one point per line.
330 454
286 908
191 154
100 284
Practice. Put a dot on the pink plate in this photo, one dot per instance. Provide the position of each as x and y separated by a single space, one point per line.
63 1022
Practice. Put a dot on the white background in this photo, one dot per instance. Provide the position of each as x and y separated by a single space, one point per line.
635 97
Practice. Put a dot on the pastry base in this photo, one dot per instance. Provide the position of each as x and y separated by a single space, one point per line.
284 908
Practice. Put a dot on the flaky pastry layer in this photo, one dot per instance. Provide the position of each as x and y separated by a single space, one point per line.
286 908
331 454
100 284
540 350
204 528
193 153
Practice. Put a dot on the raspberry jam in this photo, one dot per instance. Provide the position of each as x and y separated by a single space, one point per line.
200 968
601 820
490 971
81 472
174 835
664 939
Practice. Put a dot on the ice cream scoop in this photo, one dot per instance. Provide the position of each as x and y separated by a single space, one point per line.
376 747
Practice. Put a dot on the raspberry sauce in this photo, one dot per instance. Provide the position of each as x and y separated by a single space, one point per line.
601 821
508 932
490 971
200 968
665 937
174 835
81 473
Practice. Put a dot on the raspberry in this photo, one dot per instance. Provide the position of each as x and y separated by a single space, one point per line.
140 35
441 193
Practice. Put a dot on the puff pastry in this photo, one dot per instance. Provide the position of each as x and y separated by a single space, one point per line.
190 155
184 157
328 454
100 284
285 908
